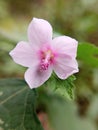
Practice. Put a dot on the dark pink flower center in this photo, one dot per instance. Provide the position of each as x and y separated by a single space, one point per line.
46 59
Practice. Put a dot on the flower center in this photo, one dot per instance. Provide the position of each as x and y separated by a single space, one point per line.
46 59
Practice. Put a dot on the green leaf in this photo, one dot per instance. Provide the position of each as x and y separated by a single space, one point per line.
88 54
65 87
63 116
62 87
17 106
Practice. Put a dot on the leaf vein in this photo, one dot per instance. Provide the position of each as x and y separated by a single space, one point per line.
13 95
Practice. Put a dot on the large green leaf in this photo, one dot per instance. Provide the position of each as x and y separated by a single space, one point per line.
62 114
88 54
17 106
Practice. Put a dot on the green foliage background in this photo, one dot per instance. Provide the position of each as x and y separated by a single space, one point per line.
76 18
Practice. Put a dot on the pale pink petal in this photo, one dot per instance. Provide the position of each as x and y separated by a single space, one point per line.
39 32
65 66
24 55
35 78
65 45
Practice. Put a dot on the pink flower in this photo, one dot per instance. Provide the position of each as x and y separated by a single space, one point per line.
42 54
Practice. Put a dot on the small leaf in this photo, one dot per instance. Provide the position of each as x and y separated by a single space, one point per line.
65 87
62 87
17 106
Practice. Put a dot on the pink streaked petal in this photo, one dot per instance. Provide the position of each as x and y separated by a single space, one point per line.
35 78
65 45
65 66
24 55
39 32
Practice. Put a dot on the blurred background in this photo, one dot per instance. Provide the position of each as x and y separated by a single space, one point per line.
75 18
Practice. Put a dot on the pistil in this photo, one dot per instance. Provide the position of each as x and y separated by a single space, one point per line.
46 60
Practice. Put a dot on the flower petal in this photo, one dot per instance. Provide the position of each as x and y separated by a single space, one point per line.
24 55
35 78
39 32
65 45
65 66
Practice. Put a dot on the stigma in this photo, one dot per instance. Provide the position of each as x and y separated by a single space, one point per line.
46 59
